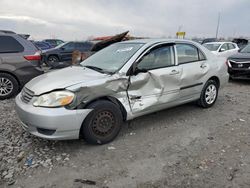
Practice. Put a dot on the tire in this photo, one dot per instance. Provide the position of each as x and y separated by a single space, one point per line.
9 86
208 100
52 59
96 132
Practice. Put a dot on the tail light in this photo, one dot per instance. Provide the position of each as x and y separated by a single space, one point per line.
36 56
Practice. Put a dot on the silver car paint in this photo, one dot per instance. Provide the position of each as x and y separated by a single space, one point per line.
141 94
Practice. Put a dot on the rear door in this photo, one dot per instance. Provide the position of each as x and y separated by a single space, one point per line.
192 63
156 81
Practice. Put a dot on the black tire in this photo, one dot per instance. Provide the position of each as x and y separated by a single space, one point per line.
206 103
52 59
10 88
103 124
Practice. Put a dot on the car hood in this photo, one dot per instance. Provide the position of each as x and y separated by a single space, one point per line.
63 78
241 56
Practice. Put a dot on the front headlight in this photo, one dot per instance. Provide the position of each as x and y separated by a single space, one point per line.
55 99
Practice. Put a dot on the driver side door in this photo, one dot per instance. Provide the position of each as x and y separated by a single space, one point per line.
155 83
67 50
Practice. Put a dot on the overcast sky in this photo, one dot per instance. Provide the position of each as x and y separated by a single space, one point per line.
80 19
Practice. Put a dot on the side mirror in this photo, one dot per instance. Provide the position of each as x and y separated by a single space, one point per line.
137 71
222 50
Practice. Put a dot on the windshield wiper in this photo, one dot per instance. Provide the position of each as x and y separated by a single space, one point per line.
97 69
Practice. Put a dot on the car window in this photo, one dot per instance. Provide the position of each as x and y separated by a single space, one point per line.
10 45
86 46
231 46
58 42
69 46
224 46
157 58
187 53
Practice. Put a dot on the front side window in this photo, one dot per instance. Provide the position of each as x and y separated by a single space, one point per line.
187 53
10 45
159 57
224 47
69 46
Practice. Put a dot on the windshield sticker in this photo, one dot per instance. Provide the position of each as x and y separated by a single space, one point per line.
124 49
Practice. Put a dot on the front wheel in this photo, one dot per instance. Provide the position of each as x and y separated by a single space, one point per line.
103 124
209 94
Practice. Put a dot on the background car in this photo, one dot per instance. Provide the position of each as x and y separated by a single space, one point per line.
241 42
239 64
207 40
19 63
64 52
42 45
224 49
54 42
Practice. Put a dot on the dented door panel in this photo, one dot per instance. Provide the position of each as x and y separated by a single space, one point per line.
154 90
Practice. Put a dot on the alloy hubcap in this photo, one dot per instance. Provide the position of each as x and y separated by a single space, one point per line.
211 94
103 124
52 59
6 86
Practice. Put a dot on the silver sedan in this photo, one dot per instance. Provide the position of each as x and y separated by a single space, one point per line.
121 82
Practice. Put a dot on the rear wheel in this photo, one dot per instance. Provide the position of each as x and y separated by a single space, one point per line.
209 94
8 86
103 124
52 59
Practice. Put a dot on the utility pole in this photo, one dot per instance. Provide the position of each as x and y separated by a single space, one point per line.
218 25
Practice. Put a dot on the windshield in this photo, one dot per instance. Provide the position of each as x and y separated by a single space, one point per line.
246 49
212 47
113 57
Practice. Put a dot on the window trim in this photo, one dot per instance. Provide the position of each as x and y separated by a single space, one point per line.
198 49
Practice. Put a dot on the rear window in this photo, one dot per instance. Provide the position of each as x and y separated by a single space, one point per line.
10 45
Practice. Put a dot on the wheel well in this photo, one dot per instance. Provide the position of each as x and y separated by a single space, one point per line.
113 100
1 71
216 79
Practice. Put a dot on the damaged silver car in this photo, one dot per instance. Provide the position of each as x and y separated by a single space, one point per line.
119 83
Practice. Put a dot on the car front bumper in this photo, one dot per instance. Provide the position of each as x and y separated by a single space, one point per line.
50 123
239 72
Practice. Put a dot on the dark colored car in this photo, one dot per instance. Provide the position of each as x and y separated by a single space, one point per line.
240 42
19 63
64 52
42 45
53 42
239 64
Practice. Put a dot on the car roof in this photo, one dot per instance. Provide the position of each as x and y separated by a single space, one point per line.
154 41
219 42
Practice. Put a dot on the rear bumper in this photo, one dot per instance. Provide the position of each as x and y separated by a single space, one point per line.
25 74
50 123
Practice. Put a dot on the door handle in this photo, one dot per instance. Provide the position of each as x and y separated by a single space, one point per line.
203 66
173 72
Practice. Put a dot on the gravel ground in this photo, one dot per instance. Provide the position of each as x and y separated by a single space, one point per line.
181 147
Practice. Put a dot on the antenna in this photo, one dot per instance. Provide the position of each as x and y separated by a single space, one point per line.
218 25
